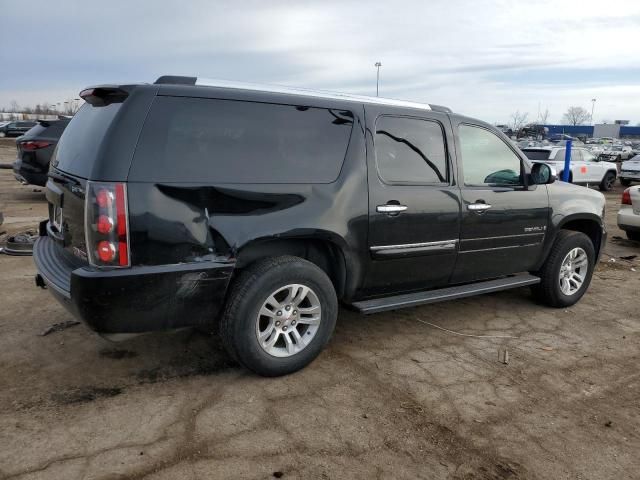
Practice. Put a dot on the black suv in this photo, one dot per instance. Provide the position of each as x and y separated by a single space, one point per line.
257 210
15 129
35 149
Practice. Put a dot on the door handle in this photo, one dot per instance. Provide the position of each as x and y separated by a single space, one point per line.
391 208
478 207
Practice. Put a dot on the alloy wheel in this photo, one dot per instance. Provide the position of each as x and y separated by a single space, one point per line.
288 320
573 271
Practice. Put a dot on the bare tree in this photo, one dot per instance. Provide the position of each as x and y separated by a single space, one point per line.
518 120
544 117
14 107
576 116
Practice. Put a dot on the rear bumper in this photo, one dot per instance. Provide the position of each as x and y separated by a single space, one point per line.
137 299
626 175
627 219
27 173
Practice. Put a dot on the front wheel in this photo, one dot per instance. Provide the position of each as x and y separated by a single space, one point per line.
566 274
2 134
279 316
608 181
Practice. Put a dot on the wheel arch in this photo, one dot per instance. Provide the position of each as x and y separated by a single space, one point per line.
587 223
590 225
328 255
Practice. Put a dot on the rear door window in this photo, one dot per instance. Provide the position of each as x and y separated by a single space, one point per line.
411 151
225 141
536 154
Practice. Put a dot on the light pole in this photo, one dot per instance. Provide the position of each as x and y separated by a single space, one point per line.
593 105
378 65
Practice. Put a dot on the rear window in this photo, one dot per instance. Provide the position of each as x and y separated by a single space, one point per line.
37 130
225 141
78 147
536 154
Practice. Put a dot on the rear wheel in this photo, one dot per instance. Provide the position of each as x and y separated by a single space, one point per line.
566 274
624 182
279 316
608 181
633 236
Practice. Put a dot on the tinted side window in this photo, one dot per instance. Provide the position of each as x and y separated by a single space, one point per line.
411 151
576 155
537 154
486 159
225 141
560 155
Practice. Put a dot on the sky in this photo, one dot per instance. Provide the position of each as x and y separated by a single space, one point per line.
482 58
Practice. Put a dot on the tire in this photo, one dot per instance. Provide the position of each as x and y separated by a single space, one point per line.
255 290
633 235
608 181
549 290
624 182
2 134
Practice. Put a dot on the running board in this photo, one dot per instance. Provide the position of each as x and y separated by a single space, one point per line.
442 294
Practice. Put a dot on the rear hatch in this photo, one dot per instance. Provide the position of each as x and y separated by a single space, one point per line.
90 149
41 139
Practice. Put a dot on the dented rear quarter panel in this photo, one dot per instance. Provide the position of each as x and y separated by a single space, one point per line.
193 222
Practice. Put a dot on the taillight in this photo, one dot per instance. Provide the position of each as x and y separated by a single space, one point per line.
626 197
34 145
107 224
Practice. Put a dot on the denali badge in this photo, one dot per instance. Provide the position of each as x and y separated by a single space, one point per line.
535 229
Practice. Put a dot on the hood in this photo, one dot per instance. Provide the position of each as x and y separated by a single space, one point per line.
576 198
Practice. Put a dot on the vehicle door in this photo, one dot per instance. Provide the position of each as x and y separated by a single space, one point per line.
504 220
594 168
580 170
414 205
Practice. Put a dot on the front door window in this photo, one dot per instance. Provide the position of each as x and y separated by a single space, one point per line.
487 160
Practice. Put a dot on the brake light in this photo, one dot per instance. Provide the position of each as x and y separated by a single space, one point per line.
34 145
626 197
107 224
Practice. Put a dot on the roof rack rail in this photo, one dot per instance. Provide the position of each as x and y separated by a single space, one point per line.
197 81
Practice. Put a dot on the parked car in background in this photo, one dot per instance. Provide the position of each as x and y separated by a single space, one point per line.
629 213
35 149
15 129
616 153
630 171
586 168
257 209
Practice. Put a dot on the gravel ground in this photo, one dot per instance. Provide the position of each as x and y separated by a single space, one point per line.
391 397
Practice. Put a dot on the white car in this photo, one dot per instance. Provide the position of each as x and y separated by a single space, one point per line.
629 213
585 167
616 153
630 171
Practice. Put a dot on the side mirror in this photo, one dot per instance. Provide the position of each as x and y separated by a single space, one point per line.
543 174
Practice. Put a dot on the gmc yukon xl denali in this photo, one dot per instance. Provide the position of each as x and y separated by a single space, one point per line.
257 210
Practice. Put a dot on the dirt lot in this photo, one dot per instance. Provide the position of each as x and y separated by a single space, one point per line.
391 397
